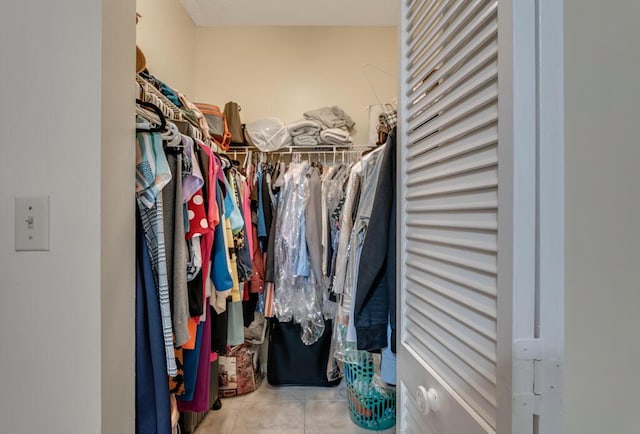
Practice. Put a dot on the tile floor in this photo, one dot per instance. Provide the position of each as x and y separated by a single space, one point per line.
284 410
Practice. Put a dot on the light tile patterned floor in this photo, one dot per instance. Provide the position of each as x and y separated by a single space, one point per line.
284 410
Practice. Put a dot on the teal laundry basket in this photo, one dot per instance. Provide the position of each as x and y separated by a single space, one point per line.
372 405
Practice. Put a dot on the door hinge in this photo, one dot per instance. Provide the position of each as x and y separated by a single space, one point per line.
535 377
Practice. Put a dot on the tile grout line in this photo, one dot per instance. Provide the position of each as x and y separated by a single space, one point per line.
304 411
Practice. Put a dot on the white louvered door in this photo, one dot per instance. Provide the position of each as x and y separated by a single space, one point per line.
470 216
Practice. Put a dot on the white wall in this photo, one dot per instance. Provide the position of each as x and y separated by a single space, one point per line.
167 36
50 302
52 356
602 387
284 71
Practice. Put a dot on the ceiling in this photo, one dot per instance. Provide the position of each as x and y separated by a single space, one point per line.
208 13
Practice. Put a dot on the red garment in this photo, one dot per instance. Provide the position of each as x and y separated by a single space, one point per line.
213 216
246 214
209 178
199 225
257 279
198 221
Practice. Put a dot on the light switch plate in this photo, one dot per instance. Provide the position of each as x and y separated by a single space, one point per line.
32 223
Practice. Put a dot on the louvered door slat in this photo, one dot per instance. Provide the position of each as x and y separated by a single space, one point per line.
466 99
428 26
436 309
417 17
480 367
474 72
447 26
458 143
450 203
472 35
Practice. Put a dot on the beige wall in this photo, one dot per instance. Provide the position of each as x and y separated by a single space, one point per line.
167 36
117 274
284 71
602 387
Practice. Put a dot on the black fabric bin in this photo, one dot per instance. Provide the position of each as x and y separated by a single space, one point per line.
292 363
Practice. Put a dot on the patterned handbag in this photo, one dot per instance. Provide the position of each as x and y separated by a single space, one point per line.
389 116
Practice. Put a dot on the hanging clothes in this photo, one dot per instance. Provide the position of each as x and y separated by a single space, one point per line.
313 219
375 302
153 413
241 238
220 272
191 361
370 170
152 174
298 296
333 187
176 249
200 397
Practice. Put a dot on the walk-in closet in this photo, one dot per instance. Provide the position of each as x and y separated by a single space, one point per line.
266 158
299 216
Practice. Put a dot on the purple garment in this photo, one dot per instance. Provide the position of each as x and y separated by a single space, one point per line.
200 402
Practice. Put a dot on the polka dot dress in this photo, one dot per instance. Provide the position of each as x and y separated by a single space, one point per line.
198 223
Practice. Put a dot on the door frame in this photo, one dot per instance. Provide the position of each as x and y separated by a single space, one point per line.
530 217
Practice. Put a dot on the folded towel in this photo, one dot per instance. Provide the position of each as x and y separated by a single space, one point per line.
336 137
331 117
307 131
304 126
307 140
336 134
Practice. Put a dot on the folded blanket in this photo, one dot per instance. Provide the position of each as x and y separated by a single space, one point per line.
307 131
308 127
336 134
331 117
307 140
336 137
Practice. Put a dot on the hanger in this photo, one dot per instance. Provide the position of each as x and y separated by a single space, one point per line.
156 110
172 139
248 159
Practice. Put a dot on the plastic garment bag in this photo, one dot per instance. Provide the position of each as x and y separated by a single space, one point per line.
268 134
298 294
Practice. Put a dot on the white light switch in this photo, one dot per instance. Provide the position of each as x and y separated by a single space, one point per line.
32 223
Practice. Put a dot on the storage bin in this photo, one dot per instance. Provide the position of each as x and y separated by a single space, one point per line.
372 404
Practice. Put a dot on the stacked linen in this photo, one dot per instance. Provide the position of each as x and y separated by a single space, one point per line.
336 137
306 140
335 123
305 132
304 127
331 117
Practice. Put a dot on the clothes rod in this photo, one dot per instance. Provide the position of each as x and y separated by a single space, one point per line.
304 150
